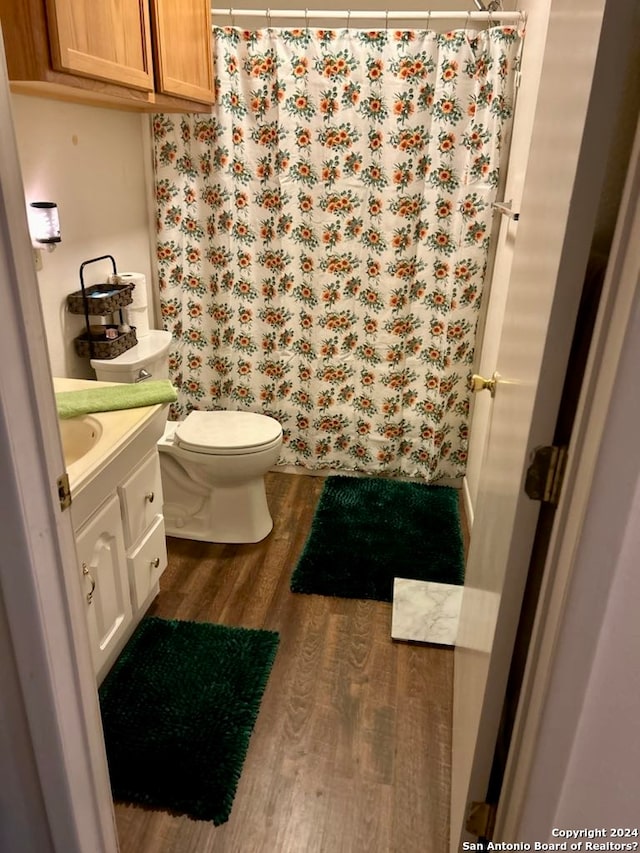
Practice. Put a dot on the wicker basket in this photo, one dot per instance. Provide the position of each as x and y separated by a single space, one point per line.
114 297
104 347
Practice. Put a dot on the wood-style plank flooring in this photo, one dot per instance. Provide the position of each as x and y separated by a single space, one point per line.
351 749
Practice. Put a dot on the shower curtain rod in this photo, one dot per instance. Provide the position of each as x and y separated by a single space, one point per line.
308 14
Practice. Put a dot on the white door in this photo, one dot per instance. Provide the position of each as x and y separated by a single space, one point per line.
55 783
559 204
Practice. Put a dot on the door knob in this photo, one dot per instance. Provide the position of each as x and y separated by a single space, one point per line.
479 383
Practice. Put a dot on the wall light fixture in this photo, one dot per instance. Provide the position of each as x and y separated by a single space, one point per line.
44 224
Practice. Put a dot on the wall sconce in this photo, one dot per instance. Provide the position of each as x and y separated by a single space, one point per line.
44 224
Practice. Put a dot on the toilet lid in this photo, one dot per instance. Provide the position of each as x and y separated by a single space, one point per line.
226 432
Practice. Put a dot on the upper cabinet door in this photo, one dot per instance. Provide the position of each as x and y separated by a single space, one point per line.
109 40
182 36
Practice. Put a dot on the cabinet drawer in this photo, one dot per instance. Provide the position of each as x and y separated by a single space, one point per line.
147 562
141 497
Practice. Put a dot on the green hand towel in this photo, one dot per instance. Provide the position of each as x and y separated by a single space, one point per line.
114 397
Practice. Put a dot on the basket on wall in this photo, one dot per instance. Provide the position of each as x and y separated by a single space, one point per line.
104 340
101 299
88 345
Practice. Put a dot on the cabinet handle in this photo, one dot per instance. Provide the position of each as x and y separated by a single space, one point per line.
87 573
150 496
155 563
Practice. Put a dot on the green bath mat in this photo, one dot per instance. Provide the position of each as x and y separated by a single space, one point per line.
178 709
368 531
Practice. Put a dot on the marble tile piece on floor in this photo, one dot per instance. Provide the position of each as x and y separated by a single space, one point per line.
425 612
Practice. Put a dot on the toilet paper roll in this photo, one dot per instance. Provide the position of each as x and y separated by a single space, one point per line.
139 293
139 317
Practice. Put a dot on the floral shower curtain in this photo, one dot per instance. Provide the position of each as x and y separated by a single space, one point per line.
323 237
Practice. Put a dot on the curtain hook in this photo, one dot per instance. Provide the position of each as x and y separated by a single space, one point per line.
268 10
491 24
348 19
306 18
428 18
467 22
386 19
231 15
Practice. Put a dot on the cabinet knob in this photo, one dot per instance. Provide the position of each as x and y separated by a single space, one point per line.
87 574
150 496
155 563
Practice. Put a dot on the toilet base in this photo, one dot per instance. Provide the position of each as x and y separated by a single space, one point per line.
227 514
215 498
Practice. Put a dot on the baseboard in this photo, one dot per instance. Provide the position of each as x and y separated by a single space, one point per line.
468 504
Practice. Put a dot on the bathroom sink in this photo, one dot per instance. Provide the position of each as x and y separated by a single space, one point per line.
101 449
79 436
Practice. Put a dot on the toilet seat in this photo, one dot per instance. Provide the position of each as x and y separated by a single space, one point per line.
227 433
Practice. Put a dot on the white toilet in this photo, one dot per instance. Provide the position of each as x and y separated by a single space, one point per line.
212 463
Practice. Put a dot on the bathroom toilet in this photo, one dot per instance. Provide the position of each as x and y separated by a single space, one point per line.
212 464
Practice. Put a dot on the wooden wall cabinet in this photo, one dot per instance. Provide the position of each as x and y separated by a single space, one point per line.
183 64
146 55
109 40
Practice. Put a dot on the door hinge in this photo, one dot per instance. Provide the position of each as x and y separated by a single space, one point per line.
481 819
64 491
545 474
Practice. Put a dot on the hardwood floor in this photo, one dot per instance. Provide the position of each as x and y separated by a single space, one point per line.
351 749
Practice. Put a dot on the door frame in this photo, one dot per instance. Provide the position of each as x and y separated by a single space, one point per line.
620 290
39 583
54 746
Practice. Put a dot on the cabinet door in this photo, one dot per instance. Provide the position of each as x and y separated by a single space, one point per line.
109 40
103 564
184 64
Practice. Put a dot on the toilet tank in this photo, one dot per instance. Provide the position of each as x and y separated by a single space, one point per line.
149 356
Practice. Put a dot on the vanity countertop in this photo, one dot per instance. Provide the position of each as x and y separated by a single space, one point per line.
119 439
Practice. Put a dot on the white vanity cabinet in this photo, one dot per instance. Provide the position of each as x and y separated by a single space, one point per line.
113 469
122 552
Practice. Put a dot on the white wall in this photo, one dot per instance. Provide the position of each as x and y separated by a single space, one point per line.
91 162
